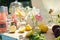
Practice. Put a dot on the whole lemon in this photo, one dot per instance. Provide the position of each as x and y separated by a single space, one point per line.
21 30
28 27
43 28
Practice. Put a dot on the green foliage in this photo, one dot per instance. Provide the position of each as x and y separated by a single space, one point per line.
37 36
0 37
58 38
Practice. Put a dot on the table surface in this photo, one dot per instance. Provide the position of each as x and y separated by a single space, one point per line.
48 36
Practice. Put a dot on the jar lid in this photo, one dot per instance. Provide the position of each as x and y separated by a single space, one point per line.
16 3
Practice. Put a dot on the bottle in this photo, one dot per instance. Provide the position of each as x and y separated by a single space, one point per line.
2 20
6 10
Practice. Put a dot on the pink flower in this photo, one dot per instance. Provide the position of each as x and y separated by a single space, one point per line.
38 17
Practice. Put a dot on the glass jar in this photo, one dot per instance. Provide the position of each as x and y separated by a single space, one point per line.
16 4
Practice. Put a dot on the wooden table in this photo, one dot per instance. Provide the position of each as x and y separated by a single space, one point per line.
49 35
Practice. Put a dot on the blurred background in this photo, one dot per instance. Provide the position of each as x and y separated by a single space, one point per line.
24 2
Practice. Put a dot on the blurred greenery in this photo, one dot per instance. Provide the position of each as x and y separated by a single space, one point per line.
7 2
0 37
